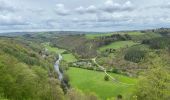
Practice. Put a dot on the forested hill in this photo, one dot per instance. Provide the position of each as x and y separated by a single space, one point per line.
24 74
27 73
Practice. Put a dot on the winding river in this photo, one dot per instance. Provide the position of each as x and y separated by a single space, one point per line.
57 68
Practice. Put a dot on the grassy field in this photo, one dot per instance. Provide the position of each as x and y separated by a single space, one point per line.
145 36
92 36
93 81
69 57
117 45
53 49
134 33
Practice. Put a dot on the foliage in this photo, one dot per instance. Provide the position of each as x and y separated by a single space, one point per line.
75 94
147 35
163 31
106 40
134 55
154 85
106 78
158 43
24 75
19 82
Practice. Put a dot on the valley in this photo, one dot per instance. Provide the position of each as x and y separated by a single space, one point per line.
93 66
84 50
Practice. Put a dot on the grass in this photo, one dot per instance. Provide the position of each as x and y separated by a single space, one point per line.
69 57
53 49
93 81
134 33
149 35
117 45
92 36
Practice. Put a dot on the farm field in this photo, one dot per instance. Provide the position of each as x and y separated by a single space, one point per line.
117 45
87 80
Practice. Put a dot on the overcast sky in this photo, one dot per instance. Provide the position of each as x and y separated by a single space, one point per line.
83 15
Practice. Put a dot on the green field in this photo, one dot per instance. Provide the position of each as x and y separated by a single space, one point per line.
117 45
69 57
93 81
134 33
53 49
92 36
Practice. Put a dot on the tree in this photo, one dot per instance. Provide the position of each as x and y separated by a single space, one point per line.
106 78
75 94
154 86
119 97
134 55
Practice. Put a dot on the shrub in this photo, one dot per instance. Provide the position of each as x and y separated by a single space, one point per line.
119 97
65 52
115 71
106 78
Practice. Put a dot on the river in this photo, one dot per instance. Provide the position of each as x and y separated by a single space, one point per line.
57 68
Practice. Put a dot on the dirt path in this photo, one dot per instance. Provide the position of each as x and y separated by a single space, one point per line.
104 70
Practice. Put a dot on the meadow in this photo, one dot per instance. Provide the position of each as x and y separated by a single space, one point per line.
93 36
117 45
53 49
93 81
69 57
134 33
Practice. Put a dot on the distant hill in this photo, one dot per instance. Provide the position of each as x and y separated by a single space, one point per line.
161 30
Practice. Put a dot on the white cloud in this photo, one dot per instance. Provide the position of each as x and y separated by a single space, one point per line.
8 16
80 14
166 5
111 6
80 10
6 7
89 10
61 10
11 20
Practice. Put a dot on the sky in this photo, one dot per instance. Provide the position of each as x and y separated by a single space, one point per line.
83 15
